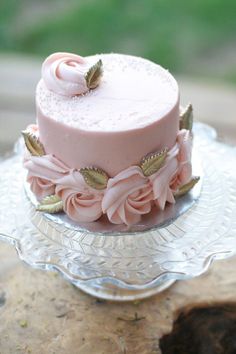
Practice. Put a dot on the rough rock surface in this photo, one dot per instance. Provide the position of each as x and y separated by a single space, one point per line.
42 313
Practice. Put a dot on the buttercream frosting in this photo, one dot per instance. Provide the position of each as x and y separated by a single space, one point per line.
64 74
43 172
127 197
184 174
161 180
81 203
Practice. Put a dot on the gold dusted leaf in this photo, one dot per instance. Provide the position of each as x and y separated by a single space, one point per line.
51 204
186 187
153 162
94 177
186 118
33 144
94 74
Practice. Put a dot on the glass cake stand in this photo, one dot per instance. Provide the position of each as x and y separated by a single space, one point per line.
117 263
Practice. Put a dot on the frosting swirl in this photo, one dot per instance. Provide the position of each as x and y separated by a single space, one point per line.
43 172
80 202
127 197
161 180
184 174
41 187
64 73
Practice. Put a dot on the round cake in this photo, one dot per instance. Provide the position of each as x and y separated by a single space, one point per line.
109 138
134 111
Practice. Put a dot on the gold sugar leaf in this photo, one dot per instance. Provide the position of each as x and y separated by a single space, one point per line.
153 162
94 74
187 187
51 204
94 177
186 118
33 144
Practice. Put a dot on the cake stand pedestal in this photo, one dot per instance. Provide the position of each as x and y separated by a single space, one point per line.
129 265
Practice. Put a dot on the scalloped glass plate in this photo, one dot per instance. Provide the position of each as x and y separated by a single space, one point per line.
131 264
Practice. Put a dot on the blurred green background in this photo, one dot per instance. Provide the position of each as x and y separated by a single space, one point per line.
192 37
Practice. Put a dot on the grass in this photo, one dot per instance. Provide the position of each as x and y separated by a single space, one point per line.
186 36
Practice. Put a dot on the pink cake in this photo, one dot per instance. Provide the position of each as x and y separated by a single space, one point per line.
109 138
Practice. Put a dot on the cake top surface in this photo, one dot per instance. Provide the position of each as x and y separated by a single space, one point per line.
133 93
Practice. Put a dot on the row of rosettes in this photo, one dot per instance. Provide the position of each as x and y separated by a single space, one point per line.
86 194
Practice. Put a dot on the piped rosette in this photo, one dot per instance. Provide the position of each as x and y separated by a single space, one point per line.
69 74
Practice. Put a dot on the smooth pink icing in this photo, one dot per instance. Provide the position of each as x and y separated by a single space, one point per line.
153 125
111 151
127 197
81 203
64 73
43 172
114 151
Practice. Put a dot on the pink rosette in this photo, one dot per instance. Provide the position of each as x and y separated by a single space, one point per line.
43 171
184 174
161 180
64 73
128 196
41 187
80 202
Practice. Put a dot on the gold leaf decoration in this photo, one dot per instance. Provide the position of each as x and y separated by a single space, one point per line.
94 74
186 118
51 204
33 144
187 187
94 177
153 162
